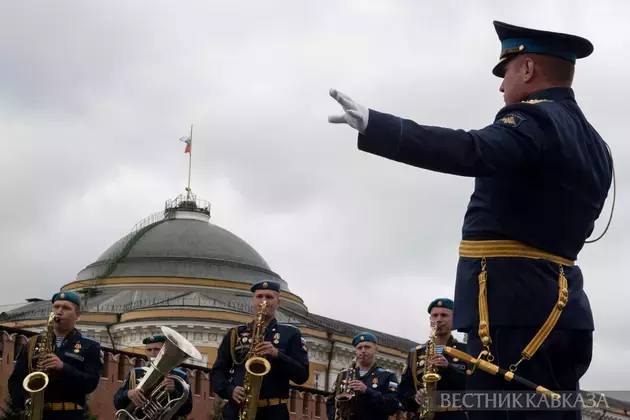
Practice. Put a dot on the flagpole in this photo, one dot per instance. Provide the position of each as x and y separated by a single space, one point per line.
190 160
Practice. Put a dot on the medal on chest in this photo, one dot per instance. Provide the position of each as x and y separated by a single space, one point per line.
244 342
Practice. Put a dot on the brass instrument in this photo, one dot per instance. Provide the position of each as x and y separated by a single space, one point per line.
37 381
344 395
429 380
160 403
256 367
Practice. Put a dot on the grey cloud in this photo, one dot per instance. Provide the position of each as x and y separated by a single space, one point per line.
94 97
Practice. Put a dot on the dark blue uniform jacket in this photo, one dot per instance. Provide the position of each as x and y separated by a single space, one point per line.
452 377
122 401
542 174
379 400
82 360
291 364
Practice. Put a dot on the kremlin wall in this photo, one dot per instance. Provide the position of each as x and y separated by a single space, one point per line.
177 269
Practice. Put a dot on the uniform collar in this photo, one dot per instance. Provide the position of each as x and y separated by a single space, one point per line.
368 373
557 93
272 324
73 336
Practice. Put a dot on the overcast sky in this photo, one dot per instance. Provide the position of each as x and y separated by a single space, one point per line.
94 96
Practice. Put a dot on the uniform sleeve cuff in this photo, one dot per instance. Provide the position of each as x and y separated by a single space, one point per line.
369 392
229 391
382 135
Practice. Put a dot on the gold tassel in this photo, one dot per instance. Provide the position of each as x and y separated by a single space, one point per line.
484 324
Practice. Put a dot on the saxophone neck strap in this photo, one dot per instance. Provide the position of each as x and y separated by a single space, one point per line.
233 334
413 367
338 381
30 351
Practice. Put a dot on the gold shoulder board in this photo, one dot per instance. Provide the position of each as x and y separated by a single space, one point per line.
536 101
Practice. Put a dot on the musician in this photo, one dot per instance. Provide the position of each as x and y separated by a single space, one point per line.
73 368
129 393
452 371
542 176
283 346
375 388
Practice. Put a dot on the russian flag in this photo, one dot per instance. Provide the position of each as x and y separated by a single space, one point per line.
188 141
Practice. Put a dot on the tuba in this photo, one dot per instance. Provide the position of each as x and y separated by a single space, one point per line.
256 367
430 378
160 404
36 382
344 395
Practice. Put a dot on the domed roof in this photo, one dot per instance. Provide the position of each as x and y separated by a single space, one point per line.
182 238
184 244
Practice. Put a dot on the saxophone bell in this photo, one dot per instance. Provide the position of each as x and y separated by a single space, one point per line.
344 395
258 366
35 382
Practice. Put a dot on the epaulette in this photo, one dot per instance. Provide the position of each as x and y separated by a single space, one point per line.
536 101
419 346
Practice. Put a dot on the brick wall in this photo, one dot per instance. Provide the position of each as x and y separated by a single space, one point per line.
303 405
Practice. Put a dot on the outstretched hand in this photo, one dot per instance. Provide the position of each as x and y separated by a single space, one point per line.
355 114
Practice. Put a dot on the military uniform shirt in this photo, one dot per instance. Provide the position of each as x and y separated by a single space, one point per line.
379 400
291 364
121 400
542 175
82 360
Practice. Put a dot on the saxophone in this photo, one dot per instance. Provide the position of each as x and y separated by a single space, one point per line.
36 382
256 367
344 395
429 380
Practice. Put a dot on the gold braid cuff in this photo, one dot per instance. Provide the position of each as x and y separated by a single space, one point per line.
514 249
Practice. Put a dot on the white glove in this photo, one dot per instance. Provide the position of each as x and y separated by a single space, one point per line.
356 115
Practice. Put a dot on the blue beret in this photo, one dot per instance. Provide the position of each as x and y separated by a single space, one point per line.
441 303
362 337
266 285
157 338
69 296
519 40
